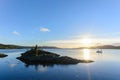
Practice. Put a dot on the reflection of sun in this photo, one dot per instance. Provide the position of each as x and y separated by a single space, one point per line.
87 42
86 53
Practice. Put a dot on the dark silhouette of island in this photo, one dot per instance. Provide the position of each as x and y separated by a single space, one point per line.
3 55
36 55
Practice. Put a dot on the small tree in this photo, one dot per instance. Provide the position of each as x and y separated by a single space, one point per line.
36 50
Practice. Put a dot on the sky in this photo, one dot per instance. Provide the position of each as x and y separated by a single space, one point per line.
62 23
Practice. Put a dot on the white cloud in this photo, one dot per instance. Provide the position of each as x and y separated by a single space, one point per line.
44 29
16 33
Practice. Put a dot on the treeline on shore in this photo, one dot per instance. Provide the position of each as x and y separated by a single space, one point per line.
4 46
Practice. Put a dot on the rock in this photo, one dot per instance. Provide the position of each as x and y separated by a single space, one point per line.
41 56
2 55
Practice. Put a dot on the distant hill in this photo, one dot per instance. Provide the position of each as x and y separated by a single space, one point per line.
3 46
108 47
6 46
49 47
10 46
103 47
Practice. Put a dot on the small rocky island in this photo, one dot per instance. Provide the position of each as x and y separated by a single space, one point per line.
3 55
36 55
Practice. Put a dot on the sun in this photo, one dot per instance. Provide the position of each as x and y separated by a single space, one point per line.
86 42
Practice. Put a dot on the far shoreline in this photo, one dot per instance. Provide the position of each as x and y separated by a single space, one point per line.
10 46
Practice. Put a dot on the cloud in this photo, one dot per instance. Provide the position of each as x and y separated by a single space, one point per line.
16 33
44 29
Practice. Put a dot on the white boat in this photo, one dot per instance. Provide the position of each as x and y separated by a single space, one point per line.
99 51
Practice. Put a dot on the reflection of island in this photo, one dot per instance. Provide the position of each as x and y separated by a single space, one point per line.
36 56
38 67
27 64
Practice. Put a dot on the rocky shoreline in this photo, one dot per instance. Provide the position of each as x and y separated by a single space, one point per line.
3 55
40 56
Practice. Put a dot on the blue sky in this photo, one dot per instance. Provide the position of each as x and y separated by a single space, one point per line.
59 22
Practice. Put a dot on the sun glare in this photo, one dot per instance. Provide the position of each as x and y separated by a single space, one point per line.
86 53
87 42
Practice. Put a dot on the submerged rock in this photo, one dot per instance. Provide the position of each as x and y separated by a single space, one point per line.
2 55
41 56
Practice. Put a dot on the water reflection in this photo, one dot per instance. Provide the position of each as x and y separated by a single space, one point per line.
12 65
86 54
105 67
41 67
38 67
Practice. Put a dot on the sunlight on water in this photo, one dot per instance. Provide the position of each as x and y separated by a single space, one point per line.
86 54
105 65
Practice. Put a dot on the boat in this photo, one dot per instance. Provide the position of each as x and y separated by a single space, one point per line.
99 51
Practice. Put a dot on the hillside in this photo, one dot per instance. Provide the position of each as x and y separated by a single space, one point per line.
3 46
6 46
102 47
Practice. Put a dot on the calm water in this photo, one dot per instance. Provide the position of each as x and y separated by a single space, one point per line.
105 67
